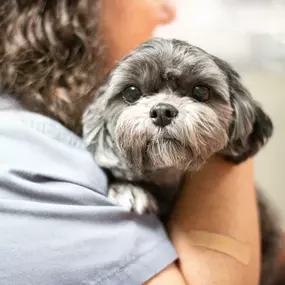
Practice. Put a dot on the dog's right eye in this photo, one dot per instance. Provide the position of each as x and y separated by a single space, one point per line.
131 94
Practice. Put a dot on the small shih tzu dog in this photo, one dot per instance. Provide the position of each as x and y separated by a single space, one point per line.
164 110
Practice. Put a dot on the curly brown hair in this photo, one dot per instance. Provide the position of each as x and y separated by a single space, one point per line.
49 55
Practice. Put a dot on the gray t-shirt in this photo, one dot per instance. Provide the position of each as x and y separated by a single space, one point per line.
56 225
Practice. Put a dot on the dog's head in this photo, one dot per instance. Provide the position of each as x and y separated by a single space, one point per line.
170 104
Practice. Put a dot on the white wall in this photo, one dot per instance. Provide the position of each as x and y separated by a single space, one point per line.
241 31
269 89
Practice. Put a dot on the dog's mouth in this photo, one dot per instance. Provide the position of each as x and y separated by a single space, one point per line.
166 152
164 139
167 137
167 141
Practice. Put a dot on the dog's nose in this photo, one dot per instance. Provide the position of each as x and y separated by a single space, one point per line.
162 114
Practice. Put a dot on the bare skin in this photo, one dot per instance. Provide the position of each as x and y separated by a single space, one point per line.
222 196
126 24
219 199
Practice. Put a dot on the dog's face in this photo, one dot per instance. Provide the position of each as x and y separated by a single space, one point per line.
170 104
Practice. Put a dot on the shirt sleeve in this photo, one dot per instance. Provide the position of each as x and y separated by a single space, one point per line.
56 224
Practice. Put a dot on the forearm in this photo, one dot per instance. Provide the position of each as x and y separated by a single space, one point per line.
218 199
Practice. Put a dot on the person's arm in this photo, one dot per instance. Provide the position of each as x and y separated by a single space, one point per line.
221 199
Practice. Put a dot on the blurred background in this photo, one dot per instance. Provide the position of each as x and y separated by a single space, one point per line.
250 34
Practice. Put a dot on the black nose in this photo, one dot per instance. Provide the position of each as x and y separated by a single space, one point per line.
162 114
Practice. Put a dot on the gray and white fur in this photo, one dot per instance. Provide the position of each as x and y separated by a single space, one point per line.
146 128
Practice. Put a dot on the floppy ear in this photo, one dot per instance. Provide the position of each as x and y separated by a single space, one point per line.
95 132
251 127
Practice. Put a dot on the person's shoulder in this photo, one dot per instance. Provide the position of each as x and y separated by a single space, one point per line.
47 168
33 143
13 116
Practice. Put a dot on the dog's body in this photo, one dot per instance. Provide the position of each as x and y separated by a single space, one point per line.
166 109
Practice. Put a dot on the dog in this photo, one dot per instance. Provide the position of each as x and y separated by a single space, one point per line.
164 110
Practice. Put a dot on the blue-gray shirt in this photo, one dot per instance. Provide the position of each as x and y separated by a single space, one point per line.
56 225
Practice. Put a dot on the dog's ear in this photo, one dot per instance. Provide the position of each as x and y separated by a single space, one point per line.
251 127
93 118
95 131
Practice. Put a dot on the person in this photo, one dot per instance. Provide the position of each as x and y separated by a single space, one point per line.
57 225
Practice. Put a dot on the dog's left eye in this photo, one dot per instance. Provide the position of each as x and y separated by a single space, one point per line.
201 93
131 94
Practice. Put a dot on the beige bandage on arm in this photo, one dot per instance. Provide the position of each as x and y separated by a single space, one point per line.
222 244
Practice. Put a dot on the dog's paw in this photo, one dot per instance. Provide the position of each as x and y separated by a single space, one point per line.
132 198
